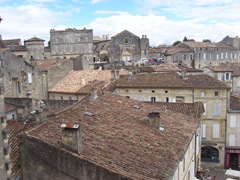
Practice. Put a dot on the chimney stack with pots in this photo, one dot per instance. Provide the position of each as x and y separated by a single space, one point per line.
71 137
154 119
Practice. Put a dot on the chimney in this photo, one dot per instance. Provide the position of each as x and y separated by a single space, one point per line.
154 119
94 94
183 71
115 74
83 81
71 137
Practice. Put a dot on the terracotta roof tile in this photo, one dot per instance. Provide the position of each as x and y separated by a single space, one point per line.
118 138
235 102
15 127
220 68
170 80
82 81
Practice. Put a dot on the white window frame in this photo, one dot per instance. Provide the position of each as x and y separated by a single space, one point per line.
219 76
227 76
238 83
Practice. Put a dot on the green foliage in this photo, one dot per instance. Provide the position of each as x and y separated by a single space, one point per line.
176 43
207 40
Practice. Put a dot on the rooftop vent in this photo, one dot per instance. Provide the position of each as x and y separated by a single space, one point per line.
71 137
88 113
136 107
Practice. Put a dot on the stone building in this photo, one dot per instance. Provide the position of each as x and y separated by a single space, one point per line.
70 43
231 41
233 134
126 139
33 48
205 53
172 87
123 46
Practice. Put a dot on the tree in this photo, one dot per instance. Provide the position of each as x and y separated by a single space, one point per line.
176 43
207 40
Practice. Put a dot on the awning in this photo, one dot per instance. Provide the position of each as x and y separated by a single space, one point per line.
233 173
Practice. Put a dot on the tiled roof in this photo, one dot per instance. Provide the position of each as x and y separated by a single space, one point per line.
117 137
235 102
220 68
173 67
47 63
34 39
170 80
191 109
18 48
175 50
77 81
15 127
9 42
205 45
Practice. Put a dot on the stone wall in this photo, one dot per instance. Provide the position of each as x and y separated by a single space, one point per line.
40 161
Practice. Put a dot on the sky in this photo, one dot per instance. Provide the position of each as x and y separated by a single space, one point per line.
162 21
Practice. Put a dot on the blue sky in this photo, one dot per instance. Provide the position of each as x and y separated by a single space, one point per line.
163 21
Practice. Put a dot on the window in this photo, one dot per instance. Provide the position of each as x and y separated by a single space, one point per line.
217 56
233 121
209 154
180 99
216 93
203 93
203 130
199 55
61 97
140 90
226 55
227 76
153 91
219 76
56 41
222 55
127 90
29 78
140 98
204 55
205 109
166 91
153 99
167 99
216 109
216 129
232 140
238 83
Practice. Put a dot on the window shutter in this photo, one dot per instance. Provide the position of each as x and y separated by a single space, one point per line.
216 129
238 83
219 76
233 121
29 78
217 109
203 130
232 139
205 108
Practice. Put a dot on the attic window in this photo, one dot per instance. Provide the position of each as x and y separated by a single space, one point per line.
140 90
126 40
166 91
153 91
88 113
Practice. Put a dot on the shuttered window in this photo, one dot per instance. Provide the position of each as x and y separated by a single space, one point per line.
216 129
205 108
232 139
233 121
203 130
29 78
219 76
216 109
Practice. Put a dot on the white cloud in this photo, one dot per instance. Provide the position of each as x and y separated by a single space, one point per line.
95 1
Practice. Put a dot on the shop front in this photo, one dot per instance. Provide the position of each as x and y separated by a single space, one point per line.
232 158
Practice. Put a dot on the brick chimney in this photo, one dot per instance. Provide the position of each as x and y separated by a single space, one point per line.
154 119
71 137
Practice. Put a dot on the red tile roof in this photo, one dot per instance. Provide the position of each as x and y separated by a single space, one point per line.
83 81
15 127
118 138
170 80
235 102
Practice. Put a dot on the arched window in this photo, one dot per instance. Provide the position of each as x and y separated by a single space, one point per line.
209 154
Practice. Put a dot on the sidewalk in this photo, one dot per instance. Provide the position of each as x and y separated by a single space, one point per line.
219 173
